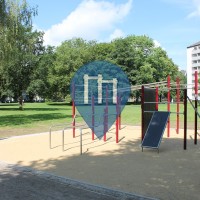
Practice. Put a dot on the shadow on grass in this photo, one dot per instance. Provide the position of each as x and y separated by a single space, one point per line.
9 104
13 120
31 109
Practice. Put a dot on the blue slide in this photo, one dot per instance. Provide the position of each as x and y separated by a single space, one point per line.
155 130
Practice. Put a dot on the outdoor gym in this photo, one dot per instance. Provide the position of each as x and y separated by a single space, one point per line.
102 150
101 112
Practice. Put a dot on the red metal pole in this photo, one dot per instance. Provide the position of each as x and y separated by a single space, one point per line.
157 98
177 103
119 113
73 118
120 117
105 124
73 110
142 112
118 108
185 120
117 121
168 105
106 116
196 107
93 117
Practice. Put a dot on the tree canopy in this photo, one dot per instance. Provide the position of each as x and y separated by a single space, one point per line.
27 66
138 56
20 46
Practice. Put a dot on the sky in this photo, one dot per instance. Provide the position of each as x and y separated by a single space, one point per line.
172 24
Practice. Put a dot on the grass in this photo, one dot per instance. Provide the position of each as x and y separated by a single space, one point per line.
38 117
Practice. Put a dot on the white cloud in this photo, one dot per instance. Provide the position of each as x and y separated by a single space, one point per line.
196 12
89 20
156 43
117 33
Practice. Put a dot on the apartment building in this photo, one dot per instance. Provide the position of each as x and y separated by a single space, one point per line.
193 64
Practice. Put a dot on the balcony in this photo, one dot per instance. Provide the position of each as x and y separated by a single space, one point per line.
195 51
196 65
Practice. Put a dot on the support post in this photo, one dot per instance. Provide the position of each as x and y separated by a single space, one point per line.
117 121
100 88
106 116
142 112
114 81
119 113
177 104
73 111
168 105
196 107
93 113
185 120
105 124
86 78
157 98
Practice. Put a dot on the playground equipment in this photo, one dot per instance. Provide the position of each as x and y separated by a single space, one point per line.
153 103
93 116
155 130
94 111
150 106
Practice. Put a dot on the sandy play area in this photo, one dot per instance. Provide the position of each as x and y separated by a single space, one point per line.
174 173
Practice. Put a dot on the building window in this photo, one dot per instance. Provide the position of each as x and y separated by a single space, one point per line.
194 55
195 48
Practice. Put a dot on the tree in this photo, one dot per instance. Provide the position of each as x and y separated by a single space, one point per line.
70 56
20 46
131 53
39 85
136 55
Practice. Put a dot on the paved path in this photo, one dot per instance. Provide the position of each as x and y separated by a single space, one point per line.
19 183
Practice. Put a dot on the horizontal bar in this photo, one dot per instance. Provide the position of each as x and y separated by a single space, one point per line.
156 102
155 83
166 111
177 113
174 102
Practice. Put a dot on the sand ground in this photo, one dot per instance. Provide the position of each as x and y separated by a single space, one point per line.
171 174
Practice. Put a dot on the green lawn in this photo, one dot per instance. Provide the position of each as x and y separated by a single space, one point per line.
38 117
